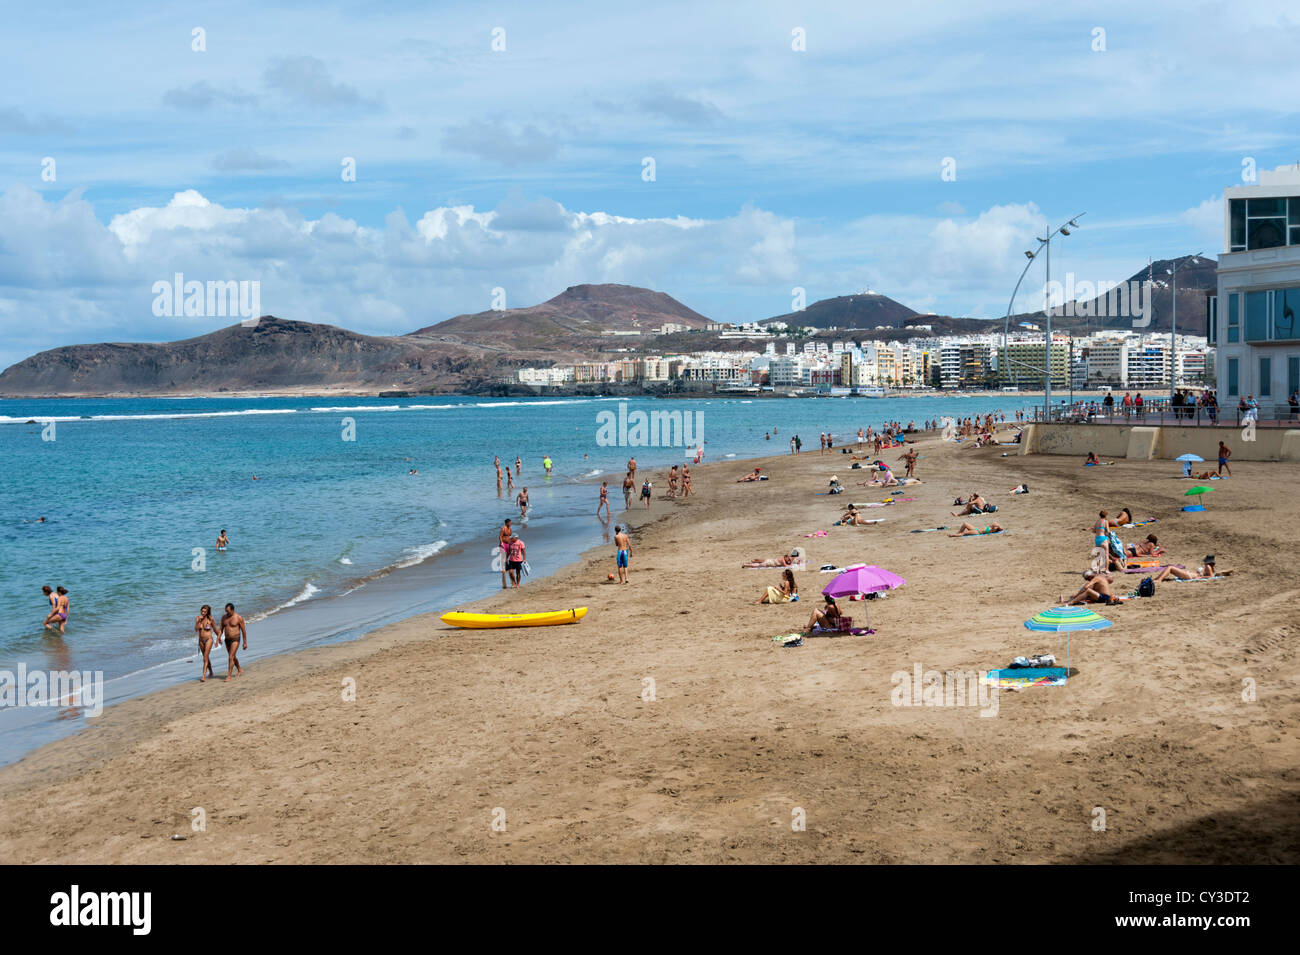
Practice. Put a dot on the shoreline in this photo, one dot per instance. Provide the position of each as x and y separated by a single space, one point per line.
553 724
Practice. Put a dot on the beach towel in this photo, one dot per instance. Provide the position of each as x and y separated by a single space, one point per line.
789 639
1149 520
1149 568
930 530
830 569
1023 677
1192 580
800 565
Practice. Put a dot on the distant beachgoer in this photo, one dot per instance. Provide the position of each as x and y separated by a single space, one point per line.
1225 452
516 554
970 530
792 445
522 501
1203 571
910 457
510 481
604 499
518 464
204 626
798 444
645 491
976 505
755 475
1096 591
827 617
546 463
1092 459
672 481
767 436
628 488
53 616
782 594
823 451
794 557
503 541
222 540
631 467
232 628
686 482
622 552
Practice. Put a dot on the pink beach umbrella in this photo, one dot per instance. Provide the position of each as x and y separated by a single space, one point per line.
863 580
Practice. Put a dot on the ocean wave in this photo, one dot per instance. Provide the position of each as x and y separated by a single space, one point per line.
344 560
42 419
416 555
308 591
360 408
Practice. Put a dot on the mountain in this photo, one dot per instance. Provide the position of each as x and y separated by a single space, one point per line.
465 353
274 354
1197 276
864 310
578 314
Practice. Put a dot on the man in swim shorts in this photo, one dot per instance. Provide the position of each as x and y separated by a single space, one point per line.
628 489
503 541
222 540
232 629
623 545
1225 452
516 554
522 501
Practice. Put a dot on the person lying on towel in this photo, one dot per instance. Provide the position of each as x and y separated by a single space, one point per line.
970 530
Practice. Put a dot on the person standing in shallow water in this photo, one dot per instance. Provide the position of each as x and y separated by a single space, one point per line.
629 486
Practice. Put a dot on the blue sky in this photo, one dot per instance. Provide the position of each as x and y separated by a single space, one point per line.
522 168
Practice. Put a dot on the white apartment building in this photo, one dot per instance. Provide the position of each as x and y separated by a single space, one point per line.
1252 319
786 370
1107 361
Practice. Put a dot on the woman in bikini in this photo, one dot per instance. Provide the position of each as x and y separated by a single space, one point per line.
828 616
203 626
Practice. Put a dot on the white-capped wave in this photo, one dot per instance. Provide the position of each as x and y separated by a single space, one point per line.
415 555
308 591
42 419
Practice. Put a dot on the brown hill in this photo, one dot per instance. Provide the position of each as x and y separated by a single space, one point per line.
574 317
273 355
865 310
1197 276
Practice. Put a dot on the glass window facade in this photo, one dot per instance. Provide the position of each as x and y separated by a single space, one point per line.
1263 223
1234 330
1265 377
1270 316
1292 375
1233 390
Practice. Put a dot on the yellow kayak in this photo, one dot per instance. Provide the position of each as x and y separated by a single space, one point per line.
482 621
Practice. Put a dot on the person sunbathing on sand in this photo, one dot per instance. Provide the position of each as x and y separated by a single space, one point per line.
976 505
794 557
1095 591
756 476
1204 571
828 617
968 530
787 591
1091 459
1147 548
852 518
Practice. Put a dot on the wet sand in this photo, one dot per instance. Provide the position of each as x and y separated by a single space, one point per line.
552 731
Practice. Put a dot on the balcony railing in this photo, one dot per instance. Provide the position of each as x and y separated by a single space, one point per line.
1160 413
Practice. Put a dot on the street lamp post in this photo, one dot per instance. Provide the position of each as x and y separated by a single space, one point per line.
1045 246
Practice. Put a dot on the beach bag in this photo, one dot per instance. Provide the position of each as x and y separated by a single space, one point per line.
990 509
1147 588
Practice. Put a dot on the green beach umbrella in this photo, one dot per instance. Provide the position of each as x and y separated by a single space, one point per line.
1197 492
1064 620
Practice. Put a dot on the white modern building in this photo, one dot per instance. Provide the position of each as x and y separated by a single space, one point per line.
1252 319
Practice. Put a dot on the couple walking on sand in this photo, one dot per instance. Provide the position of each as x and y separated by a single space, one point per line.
232 629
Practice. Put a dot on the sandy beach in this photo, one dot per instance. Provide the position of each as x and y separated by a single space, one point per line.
555 733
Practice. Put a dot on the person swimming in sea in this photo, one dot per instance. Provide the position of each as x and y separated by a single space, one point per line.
222 540
522 501
205 626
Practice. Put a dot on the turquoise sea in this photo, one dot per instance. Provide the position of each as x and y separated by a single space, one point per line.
335 537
